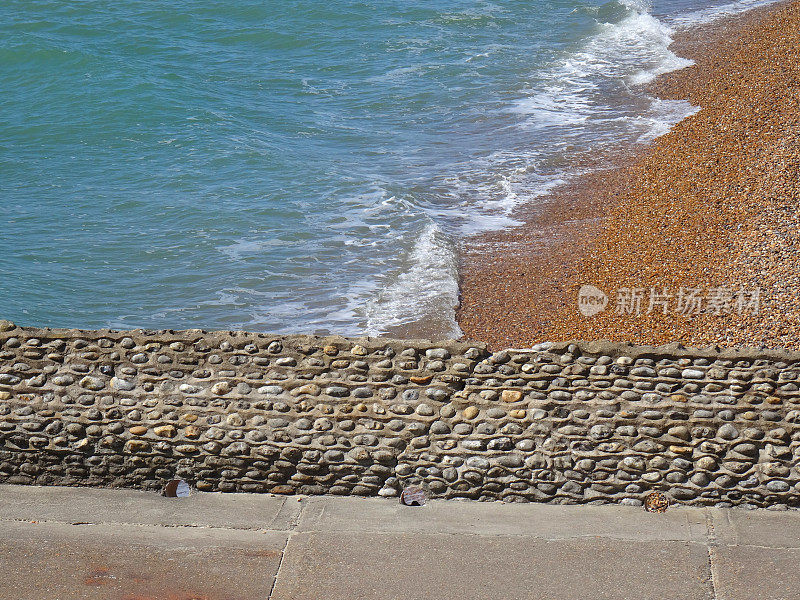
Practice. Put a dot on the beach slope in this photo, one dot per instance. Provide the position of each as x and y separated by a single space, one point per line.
694 239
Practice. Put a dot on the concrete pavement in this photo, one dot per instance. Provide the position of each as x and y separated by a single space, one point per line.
65 543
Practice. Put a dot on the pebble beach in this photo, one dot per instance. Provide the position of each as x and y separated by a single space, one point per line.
692 239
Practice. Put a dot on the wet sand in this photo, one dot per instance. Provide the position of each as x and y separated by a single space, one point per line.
698 222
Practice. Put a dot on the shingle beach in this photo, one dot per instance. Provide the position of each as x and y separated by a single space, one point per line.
700 228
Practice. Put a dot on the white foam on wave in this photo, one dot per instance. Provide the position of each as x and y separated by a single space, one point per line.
590 96
425 289
589 87
384 265
662 116
713 13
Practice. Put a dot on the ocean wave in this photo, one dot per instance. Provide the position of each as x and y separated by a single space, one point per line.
588 97
314 177
712 13
593 83
424 291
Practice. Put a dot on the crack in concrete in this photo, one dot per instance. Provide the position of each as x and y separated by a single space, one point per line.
293 523
712 555
280 564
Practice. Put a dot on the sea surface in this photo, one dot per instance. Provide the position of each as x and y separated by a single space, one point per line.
299 165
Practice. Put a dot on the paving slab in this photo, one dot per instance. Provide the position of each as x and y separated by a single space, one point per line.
94 505
388 566
546 521
57 561
76 543
768 528
756 573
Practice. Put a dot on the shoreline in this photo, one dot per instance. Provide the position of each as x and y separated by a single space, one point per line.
710 205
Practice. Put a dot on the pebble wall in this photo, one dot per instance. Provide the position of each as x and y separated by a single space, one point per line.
234 411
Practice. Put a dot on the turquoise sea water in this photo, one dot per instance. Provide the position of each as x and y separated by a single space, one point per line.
296 165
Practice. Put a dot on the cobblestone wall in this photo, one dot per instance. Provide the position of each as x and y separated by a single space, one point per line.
234 411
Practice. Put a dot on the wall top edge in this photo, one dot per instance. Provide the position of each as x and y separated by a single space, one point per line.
587 347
